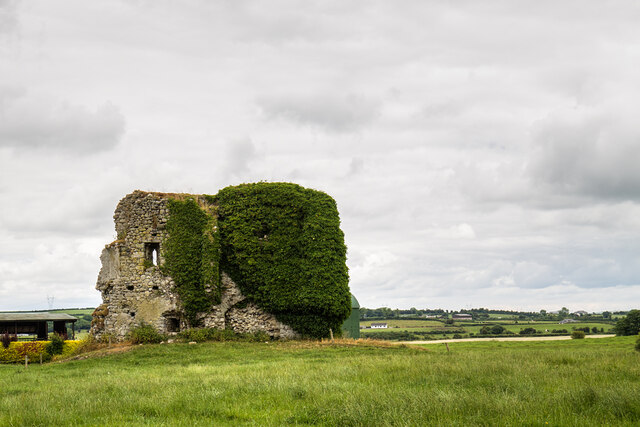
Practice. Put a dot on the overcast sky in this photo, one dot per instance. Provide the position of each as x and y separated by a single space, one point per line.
482 153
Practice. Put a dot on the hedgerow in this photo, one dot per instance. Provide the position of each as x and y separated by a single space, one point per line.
407 335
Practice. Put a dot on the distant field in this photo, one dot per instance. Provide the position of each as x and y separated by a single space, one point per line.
493 316
567 383
404 323
71 311
419 326
74 311
440 328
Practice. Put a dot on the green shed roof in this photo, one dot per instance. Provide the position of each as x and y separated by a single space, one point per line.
354 302
22 317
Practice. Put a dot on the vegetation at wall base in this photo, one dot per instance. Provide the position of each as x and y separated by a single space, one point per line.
144 334
282 245
214 334
191 254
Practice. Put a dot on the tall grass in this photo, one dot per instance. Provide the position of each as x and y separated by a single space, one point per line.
568 383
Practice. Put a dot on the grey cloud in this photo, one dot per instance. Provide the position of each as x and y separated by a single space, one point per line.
311 23
589 153
38 122
356 166
331 113
239 154
8 16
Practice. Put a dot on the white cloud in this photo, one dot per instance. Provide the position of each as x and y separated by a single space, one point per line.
481 153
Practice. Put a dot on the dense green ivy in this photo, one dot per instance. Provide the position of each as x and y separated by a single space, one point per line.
191 256
282 244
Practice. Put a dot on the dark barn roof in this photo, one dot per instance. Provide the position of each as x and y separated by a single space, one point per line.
34 317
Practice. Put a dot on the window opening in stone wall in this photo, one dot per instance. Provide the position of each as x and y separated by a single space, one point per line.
173 324
151 252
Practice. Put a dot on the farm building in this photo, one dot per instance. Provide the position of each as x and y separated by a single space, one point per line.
237 260
36 324
351 326
378 326
462 316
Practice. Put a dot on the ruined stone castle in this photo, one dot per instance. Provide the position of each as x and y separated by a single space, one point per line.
135 289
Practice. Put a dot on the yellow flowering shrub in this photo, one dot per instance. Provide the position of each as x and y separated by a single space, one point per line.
17 350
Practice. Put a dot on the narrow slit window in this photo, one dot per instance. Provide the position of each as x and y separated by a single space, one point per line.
152 252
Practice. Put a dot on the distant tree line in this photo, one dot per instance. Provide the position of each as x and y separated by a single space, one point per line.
629 325
483 314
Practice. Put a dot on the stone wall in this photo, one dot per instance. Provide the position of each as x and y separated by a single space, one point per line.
135 290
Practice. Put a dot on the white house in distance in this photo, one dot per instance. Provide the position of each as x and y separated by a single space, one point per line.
378 326
462 316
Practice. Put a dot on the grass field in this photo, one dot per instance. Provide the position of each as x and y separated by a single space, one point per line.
74 311
568 383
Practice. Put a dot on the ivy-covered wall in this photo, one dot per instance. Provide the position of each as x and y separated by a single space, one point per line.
279 242
255 257
192 255
282 244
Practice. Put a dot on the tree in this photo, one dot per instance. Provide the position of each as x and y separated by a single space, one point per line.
497 329
629 325
606 315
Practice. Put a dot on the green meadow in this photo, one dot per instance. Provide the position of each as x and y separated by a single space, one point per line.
561 383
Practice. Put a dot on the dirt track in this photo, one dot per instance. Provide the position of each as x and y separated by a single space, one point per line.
554 338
